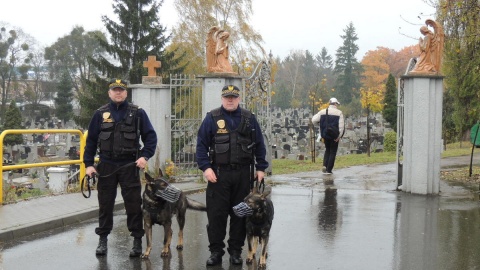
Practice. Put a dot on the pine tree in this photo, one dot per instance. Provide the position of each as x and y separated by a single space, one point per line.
137 35
347 67
63 105
390 102
13 120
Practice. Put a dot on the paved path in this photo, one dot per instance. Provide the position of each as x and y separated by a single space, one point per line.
41 214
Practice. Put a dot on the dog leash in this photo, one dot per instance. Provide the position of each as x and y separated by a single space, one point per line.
92 180
260 185
118 169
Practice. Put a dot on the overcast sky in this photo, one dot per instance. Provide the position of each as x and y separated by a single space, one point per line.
284 25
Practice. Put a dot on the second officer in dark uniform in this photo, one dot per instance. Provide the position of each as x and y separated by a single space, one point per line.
115 130
224 154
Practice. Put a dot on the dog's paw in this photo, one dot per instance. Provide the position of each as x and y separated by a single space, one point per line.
180 247
165 254
144 256
250 260
262 263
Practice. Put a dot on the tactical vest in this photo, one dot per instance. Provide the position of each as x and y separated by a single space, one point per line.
118 140
232 146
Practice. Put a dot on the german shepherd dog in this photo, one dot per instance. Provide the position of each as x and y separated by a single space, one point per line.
157 210
259 223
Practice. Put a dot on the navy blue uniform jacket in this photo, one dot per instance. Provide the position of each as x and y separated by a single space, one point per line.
147 134
208 130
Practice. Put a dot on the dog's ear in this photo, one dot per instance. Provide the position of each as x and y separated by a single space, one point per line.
266 192
160 173
148 177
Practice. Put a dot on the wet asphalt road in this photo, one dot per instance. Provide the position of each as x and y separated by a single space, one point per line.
349 221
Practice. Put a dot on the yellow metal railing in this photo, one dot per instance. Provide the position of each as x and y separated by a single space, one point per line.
83 138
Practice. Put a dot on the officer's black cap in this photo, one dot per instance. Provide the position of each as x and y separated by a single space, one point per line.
230 90
117 83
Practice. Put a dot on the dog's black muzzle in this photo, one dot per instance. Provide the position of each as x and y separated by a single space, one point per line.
242 210
170 194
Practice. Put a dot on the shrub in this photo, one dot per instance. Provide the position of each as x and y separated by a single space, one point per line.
390 141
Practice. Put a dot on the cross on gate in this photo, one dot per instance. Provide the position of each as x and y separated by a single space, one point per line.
152 64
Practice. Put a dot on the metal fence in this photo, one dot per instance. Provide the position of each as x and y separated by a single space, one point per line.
186 118
186 115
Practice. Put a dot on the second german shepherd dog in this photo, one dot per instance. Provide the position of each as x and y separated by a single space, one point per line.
157 210
259 223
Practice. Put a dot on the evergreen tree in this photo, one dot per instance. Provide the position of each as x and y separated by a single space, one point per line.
449 134
390 102
347 67
327 79
461 64
13 120
137 35
94 96
63 105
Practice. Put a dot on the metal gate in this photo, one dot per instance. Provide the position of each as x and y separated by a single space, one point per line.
258 94
186 117
400 121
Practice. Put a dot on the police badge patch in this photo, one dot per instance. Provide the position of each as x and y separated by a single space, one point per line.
106 117
221 126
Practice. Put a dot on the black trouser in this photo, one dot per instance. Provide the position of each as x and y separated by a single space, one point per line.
331 148
232 186
131 192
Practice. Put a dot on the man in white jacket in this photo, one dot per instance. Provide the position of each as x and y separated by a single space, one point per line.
332 128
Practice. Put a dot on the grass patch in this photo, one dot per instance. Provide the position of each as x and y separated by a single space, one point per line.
286 166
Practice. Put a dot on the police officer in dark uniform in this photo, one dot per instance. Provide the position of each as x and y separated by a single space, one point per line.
229 141
115 130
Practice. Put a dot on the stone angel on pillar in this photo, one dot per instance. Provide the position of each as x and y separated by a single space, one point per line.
217 51
431 49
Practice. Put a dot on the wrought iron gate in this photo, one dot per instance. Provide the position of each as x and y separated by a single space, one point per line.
186 117
401 121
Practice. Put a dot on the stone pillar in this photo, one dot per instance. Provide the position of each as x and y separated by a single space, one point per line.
212 89
57 179
155 99
422 136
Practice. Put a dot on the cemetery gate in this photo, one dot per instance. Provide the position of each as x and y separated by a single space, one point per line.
186 116
401 121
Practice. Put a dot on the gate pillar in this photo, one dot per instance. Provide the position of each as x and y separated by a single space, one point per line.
155 100
422 138
212 89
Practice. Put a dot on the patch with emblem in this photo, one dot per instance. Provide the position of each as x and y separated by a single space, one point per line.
106 117
221 126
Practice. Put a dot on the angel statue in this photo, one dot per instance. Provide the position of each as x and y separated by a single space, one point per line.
431 48
217 51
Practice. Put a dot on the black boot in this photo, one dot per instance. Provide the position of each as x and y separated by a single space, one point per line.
236 257
102 246
137 247
215 258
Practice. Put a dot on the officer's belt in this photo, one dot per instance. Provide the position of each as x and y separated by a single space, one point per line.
230 167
